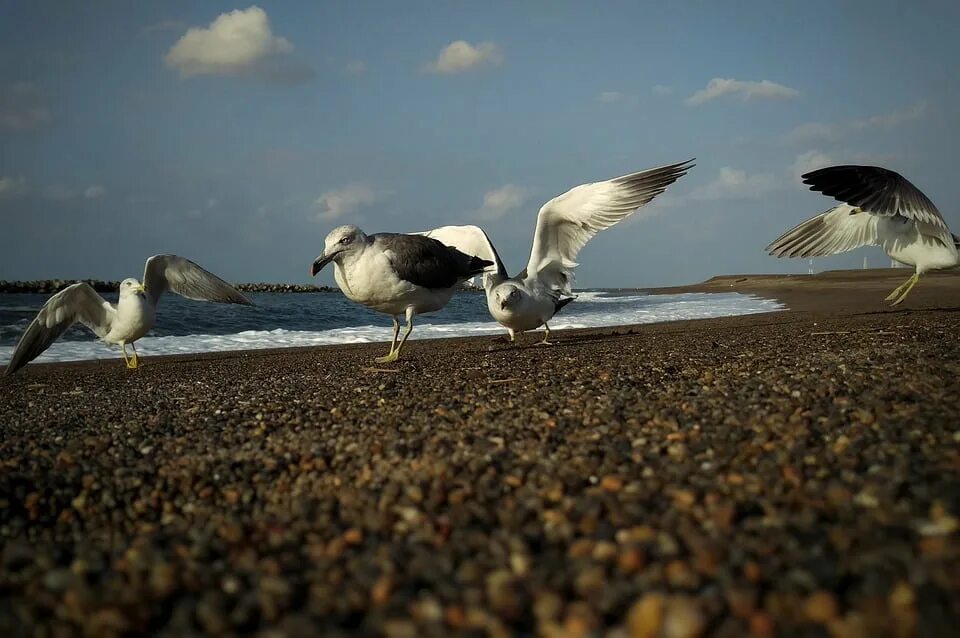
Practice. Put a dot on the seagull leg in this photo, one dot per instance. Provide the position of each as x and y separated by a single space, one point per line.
136 357
395 353
912 282
126 359
546 336
513 335
893 295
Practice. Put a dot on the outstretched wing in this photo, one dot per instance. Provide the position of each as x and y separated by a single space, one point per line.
876 190
187 279
79 302
834 231
471 240
567 222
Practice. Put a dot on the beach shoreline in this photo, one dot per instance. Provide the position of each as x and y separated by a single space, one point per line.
789 472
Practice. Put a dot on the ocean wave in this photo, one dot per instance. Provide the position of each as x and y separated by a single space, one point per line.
592 310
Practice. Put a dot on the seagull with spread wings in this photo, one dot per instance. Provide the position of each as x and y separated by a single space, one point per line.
878 208
133 315
564 225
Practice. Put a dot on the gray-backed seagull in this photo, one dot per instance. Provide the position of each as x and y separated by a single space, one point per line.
564 225
396 274
131 318
879 208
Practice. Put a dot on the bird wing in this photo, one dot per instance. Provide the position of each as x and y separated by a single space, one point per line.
833 231
187 279
77 302
567 222
471 240
876 190
426 262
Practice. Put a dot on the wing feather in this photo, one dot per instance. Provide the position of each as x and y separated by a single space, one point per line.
472 240
78 302
876 190
187 279
837 230
567 222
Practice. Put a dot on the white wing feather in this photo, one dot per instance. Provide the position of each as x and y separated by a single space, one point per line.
837 230
567 222
78 302
182 276
471 240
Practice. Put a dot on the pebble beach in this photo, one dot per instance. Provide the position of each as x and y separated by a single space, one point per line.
793 473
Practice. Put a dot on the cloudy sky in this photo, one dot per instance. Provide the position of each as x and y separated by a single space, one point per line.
239 135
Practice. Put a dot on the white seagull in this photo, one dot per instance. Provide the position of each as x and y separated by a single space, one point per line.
395 274
564 225
131 318
879 208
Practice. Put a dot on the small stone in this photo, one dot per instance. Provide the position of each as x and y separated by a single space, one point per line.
683 618
645 616
820 607
611 483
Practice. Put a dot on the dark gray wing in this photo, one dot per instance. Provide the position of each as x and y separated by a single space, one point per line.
187 279
426 262
876 190
78 302
471 240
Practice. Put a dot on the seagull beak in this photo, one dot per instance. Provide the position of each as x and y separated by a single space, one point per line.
320 262
503 304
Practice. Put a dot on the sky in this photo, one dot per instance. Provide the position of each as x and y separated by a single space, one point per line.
239 135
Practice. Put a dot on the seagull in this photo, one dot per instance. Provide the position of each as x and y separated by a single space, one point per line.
131 318
395 274
878 208
564 225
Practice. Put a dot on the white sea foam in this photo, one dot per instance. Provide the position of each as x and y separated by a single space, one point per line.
591 310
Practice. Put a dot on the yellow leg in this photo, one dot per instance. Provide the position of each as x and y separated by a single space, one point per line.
396 331
513 335
546 336
911 283
896 292
136 357
126 359
395 353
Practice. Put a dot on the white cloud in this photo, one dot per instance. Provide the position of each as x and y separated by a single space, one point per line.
336 203
22 107
95 191
732 183
235 43
810 131
12 186
500 201
746 89
610 96
662 89
356 67
891 120
461 56
809 161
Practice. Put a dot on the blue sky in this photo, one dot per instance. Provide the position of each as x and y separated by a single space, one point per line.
240 139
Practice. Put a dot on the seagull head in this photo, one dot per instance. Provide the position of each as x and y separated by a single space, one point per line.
507 296
131 287
341 241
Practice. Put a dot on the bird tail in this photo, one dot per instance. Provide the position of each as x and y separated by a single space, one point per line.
477 266
560 303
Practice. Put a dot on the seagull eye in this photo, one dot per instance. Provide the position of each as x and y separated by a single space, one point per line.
345 240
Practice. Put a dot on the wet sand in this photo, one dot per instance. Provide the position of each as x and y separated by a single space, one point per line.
792 473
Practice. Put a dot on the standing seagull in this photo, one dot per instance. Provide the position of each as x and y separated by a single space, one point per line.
564 225
131 318
395 274
880 208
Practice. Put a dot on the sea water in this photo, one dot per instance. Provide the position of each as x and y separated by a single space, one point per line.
290 319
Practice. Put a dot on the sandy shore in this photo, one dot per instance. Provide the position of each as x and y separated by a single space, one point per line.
793 473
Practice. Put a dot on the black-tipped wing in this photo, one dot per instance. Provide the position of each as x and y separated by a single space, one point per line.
567 222
78 302
876 190
426 262
187 279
